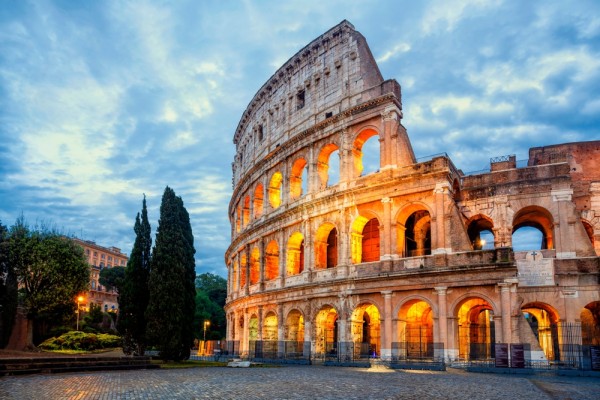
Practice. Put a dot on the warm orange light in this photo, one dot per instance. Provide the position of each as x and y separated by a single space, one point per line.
80 299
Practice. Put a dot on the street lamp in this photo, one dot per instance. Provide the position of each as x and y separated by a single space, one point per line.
79 300
206 324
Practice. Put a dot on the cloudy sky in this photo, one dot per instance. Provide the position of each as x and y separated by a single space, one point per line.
103 101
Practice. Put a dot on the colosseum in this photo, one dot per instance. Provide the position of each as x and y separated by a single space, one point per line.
415 260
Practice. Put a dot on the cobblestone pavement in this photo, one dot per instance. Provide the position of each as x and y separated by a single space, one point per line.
295 383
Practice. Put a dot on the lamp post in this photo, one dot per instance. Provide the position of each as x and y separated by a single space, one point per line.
79 300
206 324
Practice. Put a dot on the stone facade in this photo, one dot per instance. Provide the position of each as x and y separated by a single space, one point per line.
393 263
99 257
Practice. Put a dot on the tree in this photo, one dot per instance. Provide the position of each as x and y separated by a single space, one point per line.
134 295
171 308
51 270
112 278
8 290
211 294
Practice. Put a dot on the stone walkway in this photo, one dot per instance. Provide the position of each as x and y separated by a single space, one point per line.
294 382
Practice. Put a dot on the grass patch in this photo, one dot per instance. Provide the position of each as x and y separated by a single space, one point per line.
76 352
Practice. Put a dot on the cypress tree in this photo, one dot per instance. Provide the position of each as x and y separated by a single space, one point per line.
134 296
170 313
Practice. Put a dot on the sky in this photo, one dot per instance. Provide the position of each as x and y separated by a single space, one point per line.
102 102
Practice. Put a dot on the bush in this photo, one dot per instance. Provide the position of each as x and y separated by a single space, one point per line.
76 340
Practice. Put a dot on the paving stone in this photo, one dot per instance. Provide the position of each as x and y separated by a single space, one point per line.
296 382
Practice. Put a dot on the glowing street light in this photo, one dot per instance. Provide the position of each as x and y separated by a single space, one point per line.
206 324
79 300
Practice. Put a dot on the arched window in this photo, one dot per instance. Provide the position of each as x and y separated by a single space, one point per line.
366 153
295 254
480 231
275 189
298 179
272 261
258 200
417 234
328 166
246 212
326 249
370 241
532 229
254 266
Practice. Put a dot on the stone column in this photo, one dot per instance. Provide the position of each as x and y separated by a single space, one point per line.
505 307
280 331
262 263
246 270
442 320
391 120
564 233
387 233
282 257
245 334
386 343
440 242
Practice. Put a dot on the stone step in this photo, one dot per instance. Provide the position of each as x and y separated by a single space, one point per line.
21 366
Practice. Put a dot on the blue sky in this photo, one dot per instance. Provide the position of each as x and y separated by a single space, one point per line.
102 101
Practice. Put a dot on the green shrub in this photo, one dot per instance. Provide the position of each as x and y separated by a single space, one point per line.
77 340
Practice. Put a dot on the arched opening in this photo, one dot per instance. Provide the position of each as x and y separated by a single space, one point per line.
366 331
295 254
370 241
258 200
272 261
253 336
328 166
543 322
417 234
294 333
366 152
532 229
415 330
270 327
589 230
590 324
326 329
254 266
238 218
243 270
326 246
476 330
246 212
298 179
236 272
275 189
480 231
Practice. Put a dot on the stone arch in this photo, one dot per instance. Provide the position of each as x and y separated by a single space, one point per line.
299 168
358 238
235 275
269 327
589 230
476 327
537 218
275 185
259 193
246 211
254 265
326 330
272 260
295 254
323 164
476 226
253 328
365 330
590 324
413 224
294 332
243 268
415 329
238 218
326 246
357 147
543 320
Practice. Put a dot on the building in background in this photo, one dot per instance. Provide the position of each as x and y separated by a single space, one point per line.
413 259
99 257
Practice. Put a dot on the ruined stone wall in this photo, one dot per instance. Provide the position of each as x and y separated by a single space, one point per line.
400 241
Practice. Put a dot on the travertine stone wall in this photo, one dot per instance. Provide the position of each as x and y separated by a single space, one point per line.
357 258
